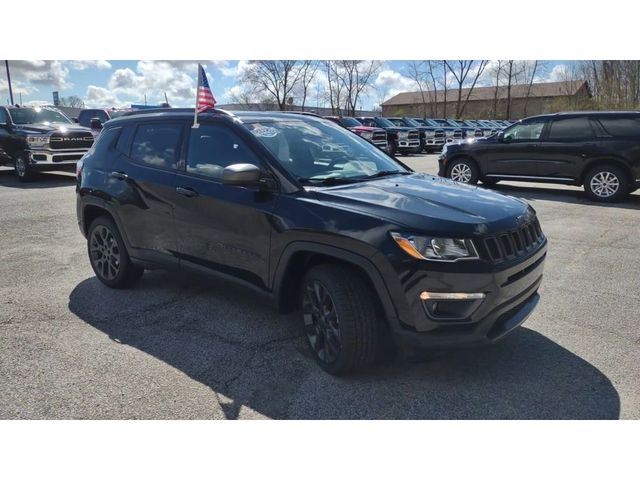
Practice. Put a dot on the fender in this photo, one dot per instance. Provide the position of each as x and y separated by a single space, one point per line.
367 266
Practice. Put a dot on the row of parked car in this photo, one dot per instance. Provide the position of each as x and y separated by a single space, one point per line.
406 135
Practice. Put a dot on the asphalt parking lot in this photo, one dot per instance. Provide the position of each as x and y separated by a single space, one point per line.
189 347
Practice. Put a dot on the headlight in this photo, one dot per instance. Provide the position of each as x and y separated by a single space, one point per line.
439 249
37 141
366 135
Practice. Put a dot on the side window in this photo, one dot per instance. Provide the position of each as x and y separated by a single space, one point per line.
157 145
570 129
214 147
524 132
620 127
85 118
3 116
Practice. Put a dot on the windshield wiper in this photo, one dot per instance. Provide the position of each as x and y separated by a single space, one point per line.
328 180
386 173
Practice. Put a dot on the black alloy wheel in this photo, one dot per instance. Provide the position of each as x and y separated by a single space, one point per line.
321 322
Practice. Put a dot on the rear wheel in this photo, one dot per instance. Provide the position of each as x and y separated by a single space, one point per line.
108 255
606 183
22 169
463 170
339 318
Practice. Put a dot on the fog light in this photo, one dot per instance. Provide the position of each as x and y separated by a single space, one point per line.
451 306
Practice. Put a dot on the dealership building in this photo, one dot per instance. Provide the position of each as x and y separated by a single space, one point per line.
491 102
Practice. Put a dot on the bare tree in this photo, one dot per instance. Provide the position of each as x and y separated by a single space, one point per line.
356 77
72 101
277 78
417 72
461 71
308 71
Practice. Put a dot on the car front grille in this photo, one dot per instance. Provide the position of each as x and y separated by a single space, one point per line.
414 135
379 137
513 244
457 134
82 140
439 134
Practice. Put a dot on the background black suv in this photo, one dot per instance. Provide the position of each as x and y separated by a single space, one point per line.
34 139
600 150
317 218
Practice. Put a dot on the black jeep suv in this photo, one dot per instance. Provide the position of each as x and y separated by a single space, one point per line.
297 207
600 150
40 139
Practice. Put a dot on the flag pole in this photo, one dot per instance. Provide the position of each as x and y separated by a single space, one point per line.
195 110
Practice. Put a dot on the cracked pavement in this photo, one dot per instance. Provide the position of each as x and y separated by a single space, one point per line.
183 347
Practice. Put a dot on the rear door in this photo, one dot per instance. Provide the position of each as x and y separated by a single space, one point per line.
222 227
517 153
565 148
142 183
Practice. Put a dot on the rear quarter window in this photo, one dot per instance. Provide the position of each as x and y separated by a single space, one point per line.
577 128
620 127
157 145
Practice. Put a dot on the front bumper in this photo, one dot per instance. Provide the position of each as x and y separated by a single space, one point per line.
510 295
408 143
48 158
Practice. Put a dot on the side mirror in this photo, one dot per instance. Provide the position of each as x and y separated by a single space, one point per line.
4 125
96 124
75 119
241 174
501 138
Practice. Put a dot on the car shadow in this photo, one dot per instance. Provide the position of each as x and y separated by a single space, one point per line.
42 180
562 195
251 357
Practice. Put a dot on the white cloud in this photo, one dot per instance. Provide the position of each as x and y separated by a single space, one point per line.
392 83
52 73
102 97
84 64
559 73
233 71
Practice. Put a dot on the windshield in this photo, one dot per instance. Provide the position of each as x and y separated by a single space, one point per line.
350 122
318 152
398 122
383 122
24 116
411 123
418 121
442 122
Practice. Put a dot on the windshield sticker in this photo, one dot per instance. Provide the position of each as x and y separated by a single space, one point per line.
265 132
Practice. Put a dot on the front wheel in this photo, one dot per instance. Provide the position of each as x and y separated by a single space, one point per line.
463 170
339 318
108 255
23 170
606 183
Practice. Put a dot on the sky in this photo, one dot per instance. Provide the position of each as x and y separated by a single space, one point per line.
113 83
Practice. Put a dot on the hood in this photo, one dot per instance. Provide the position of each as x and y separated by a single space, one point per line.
400 129
431 205
364 128
51 127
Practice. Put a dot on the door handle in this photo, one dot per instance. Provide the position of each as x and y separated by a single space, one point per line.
120 175
186 191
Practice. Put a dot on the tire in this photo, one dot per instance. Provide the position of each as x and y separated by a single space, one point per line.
463 170
21 167
606 183
337 304
104 241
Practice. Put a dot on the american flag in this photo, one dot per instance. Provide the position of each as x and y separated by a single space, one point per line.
206 100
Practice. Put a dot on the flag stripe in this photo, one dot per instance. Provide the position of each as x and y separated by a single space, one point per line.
205 98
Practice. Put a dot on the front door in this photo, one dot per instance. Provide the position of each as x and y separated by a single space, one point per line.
516 153
226 228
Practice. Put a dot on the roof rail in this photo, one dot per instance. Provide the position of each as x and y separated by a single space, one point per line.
177 110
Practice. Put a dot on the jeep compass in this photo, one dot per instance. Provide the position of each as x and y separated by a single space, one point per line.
372 255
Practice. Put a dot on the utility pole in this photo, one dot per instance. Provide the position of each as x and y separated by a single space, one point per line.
6 64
